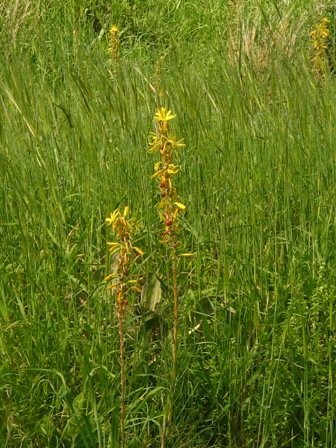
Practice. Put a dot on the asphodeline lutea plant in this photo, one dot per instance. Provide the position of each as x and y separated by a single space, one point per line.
114 47
166 170
169 210
123 283
319 37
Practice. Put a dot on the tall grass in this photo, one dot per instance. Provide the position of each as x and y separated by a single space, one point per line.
257 333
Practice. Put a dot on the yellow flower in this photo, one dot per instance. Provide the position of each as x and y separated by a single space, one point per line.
140 252
163 115
110 277
173 169
174 143
155 143
157 166
113 217
157 174
114 29
180 206
126 211
113 246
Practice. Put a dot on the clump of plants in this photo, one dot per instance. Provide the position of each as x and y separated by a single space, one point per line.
126 254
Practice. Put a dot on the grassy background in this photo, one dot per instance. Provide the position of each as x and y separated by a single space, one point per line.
257 177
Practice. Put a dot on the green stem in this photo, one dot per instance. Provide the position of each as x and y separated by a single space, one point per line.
174 268
122 376
167 421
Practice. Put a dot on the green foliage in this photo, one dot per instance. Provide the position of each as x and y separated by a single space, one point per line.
256 363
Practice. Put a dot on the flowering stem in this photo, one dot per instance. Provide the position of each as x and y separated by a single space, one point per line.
122 374
169 209
174 269
167 420
123 283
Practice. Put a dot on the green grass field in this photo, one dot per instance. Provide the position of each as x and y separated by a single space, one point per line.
256 361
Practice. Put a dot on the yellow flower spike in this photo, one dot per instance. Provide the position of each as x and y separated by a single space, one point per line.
319 36
180 206
122 281
115 35
168 210
114 47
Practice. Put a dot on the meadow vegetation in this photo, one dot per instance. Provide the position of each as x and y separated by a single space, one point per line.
253 92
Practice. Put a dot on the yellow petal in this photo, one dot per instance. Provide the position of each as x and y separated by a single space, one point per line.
109 277
138 250
126 211
113 216
179 144
114 29
157 174
180 206
157 166
163 115
173 169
